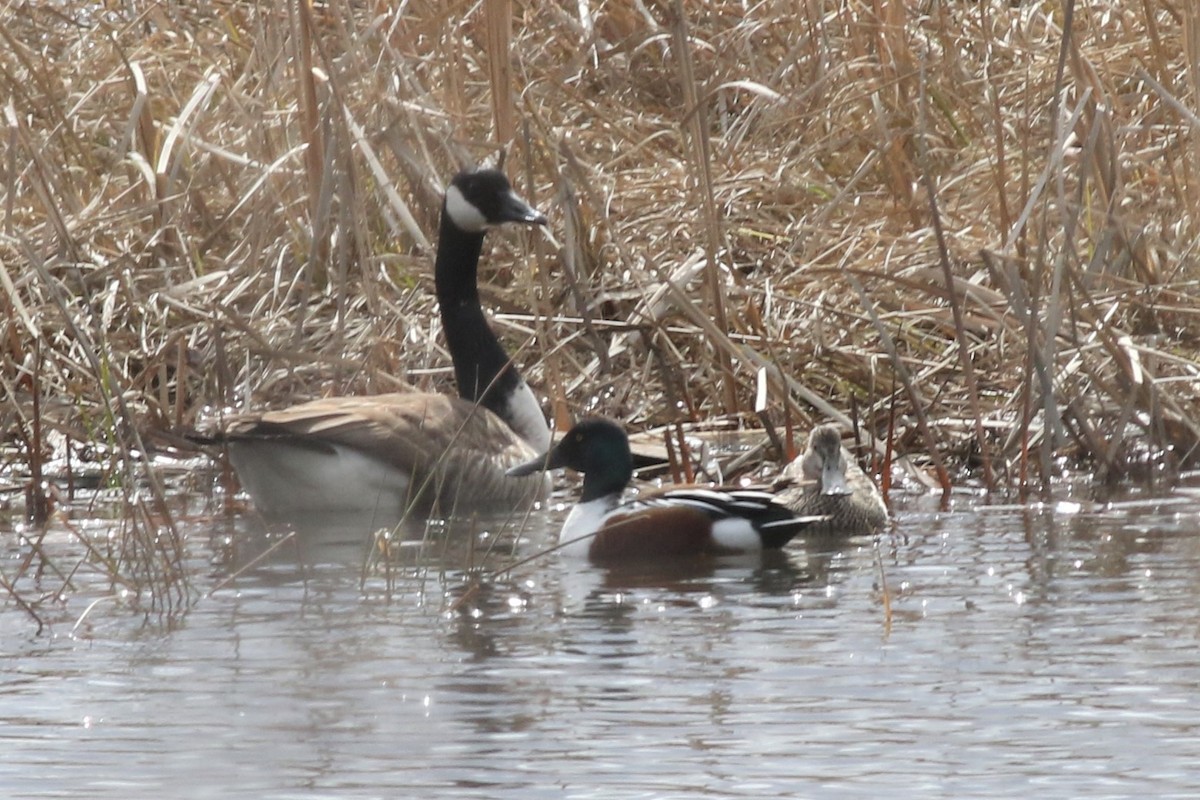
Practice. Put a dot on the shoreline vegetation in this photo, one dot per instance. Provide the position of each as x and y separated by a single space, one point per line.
949 226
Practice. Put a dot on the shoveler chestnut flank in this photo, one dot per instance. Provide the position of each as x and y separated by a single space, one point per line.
667 525
832 485
392 453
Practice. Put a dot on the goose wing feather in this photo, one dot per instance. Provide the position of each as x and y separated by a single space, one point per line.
403 430
452 453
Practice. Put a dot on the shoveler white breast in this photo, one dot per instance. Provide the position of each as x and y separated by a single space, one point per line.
829 483
670 524
396 453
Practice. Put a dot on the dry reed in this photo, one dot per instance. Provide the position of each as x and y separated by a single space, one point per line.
977 231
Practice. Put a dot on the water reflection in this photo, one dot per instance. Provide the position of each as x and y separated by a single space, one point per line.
342 540
973 652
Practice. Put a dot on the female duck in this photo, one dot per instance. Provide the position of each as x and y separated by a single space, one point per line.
388 454
830 484
671 524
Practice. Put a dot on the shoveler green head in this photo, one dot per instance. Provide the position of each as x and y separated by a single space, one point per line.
596 447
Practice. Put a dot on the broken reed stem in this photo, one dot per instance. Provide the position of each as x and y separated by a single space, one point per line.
1045 318
15 595
952 297
884 592
306 95
889 449
697 125
1000 164
157 540
918 402
39 501
497 16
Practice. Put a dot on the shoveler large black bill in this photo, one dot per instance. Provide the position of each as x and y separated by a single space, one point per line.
539 464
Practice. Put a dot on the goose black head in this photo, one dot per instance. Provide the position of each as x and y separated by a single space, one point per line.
480 199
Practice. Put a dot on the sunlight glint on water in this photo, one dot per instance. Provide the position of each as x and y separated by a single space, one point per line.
1024 651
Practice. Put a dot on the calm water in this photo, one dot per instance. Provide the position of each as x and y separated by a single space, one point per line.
1047 651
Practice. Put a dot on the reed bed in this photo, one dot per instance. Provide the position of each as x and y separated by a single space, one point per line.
968 229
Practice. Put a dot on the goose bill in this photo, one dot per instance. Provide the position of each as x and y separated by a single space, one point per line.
514 209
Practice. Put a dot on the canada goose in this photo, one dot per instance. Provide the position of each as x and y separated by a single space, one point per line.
389 453
666 525
832 485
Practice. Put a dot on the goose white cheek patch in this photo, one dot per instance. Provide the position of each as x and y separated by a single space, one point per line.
463 213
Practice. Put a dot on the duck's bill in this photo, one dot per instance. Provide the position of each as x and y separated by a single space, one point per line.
539 464
833 482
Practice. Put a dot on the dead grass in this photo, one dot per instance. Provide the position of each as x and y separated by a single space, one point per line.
973 233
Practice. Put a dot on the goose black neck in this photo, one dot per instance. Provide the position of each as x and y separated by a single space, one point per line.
482 369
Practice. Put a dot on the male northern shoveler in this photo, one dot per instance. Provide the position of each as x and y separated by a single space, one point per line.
670 524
